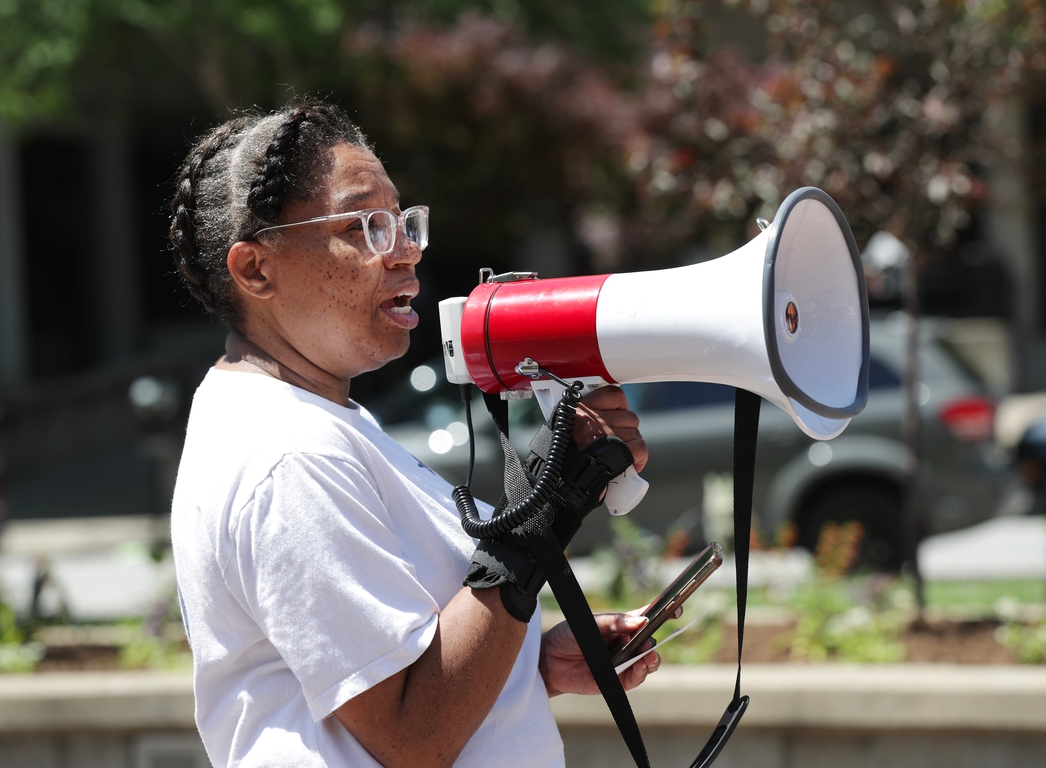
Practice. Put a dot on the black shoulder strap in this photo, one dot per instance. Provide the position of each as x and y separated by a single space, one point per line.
746 432
575 606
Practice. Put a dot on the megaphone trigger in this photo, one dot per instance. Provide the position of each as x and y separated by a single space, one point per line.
625 492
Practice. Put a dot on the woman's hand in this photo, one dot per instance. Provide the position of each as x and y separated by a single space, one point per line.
605 412
563 666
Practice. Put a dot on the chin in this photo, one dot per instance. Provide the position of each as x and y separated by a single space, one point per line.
387 353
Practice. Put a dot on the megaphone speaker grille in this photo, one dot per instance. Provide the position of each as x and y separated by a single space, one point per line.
817 330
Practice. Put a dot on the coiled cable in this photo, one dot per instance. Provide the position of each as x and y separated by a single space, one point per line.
562 424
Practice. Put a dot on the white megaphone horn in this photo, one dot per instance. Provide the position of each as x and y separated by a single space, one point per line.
785 317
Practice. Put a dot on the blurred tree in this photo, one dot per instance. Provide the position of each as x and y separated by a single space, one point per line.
236 52
628 128
476 106
886 111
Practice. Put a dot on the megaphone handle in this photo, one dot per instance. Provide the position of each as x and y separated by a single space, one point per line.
627 489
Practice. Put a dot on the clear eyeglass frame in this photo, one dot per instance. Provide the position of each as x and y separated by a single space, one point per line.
413 222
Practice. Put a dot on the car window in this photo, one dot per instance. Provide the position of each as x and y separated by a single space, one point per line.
956 358
881 376
674 395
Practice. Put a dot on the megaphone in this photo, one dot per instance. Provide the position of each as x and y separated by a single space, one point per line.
784 316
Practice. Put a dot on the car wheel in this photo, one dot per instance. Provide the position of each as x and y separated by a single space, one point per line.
875 504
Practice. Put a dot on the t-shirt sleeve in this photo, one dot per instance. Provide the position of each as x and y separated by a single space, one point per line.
325 578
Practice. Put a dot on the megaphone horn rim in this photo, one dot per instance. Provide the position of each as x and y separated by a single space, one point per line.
784 380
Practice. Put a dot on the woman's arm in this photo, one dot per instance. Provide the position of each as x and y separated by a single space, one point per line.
425 714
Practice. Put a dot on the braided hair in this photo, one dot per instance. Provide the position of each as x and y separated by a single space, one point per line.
236 180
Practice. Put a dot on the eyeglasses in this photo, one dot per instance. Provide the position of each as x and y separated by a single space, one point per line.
380 226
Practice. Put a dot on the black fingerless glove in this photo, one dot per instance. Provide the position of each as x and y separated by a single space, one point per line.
507 562
584 478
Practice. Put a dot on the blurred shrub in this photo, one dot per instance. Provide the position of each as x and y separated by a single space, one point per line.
634 558
1026 639
159 642
17 652
859 620
701 643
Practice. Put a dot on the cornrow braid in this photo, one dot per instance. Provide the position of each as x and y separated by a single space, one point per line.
237 179
286 167
193 270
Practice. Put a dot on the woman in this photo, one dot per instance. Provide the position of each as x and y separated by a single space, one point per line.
319 564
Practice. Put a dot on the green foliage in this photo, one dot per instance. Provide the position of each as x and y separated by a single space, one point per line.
634 556
40 42
983 595
234 52
851 619
147 651
701 643
833 624
159 642
1026 639
17 652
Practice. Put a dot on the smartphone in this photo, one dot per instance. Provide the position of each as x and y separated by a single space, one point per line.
667 602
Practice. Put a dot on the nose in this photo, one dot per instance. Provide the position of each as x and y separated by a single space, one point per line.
405 253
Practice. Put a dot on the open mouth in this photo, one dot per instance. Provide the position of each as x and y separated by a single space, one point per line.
399 305
399 310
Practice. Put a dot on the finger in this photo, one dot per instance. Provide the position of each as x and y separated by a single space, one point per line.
639 451
590 427
619 420
652 661
606 399
619 623
637 673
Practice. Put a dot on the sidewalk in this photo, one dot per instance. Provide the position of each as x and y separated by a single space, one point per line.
800 716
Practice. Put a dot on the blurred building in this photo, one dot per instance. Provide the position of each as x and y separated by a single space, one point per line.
87 305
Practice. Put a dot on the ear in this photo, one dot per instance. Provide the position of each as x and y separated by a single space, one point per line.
249 267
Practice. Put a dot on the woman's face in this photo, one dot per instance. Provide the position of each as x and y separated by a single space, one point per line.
343 308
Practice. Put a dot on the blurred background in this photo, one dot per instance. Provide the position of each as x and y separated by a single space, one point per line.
564 138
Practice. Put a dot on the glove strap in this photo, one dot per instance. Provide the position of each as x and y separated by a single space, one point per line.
519 577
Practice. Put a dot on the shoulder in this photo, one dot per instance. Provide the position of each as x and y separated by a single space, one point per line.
243 426
255 414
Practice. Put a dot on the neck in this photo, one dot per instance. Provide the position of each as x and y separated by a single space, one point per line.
248 356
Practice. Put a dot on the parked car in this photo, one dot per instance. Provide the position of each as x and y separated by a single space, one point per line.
689 430
1031 465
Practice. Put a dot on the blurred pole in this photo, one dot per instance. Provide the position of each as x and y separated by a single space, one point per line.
14 365
1010 219
911 429
117 281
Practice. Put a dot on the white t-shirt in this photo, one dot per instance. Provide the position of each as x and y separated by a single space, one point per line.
314 555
